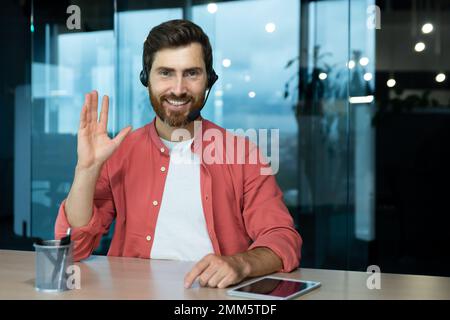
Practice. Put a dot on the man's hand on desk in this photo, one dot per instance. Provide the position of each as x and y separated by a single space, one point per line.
222 271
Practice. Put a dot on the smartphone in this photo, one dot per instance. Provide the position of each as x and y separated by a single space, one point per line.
273 288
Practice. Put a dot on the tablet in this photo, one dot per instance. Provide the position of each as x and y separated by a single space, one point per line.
273 288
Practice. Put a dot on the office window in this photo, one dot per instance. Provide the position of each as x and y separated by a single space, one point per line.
133 104
81 62
65 66
250 56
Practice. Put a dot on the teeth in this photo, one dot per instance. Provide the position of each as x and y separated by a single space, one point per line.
177 103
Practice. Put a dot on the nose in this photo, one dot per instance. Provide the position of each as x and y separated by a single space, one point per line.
179 86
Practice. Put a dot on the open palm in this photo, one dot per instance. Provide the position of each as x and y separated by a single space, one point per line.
94 144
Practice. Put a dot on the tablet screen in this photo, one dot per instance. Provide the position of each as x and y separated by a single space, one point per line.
275 287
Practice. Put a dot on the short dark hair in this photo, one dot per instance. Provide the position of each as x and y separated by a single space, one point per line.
173 34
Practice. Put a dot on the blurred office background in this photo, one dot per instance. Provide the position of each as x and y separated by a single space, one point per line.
359 89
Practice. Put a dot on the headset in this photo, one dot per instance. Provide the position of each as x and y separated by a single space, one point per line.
212 78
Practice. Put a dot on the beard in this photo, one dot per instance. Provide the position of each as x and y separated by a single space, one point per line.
175 118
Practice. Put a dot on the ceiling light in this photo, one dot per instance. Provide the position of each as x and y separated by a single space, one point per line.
440 77
391 83
226 63
270 27
419 47
427 27
364 61
368 76
322 76
212 8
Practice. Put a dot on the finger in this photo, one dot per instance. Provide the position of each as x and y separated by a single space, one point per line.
104 113
225 282
94 105
88 108
216 278
83 119
206 275
122 134
196 271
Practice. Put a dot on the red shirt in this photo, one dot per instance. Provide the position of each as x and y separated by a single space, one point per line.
243 208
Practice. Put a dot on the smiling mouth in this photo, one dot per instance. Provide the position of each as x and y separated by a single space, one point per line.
178 103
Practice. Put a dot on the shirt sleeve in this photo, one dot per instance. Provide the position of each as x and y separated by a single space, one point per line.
267 219
87 238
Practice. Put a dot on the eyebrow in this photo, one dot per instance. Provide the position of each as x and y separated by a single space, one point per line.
185 70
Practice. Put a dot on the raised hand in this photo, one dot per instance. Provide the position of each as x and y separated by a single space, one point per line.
94 144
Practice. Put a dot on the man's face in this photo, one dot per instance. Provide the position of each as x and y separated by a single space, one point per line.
177 83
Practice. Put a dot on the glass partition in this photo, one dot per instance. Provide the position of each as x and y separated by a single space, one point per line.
358 106
250 92
265 81
65 65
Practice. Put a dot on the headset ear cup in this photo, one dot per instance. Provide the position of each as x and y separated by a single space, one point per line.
208 85
212 78
144 78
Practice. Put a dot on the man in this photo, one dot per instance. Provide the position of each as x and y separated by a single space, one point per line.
167 202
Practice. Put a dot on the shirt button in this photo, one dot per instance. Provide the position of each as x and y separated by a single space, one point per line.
162 149
155 203
149 237
163 169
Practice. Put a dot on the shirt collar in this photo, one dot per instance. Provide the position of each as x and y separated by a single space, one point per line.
197 144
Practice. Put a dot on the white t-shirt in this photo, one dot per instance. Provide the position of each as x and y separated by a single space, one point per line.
181 232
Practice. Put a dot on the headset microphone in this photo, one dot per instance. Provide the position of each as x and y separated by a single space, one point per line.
194 114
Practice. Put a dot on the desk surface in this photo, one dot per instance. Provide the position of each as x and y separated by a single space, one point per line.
130 278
